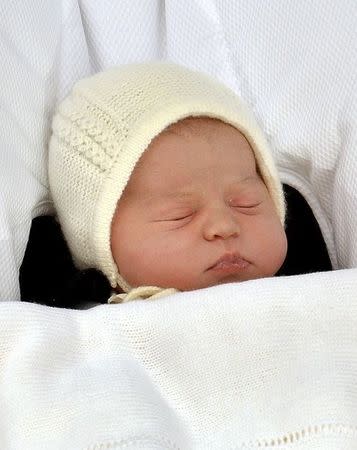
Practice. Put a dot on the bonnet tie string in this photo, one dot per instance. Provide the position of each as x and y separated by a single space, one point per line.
142 292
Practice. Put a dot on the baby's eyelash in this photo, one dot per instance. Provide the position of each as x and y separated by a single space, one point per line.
253 205
176 219
248 206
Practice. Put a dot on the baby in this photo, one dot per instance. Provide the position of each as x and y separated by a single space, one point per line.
163 180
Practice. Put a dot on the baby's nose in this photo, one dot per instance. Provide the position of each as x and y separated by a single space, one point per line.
220 224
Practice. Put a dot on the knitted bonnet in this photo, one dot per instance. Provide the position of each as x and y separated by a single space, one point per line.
103 127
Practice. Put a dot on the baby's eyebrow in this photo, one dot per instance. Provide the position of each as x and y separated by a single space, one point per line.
178 195
254 177
188 195
153 197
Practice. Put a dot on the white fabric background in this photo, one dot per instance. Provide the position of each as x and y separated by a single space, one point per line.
295 63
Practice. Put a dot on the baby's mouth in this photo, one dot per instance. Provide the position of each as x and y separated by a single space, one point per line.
229 263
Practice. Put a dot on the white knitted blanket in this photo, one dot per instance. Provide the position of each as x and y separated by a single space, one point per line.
269 363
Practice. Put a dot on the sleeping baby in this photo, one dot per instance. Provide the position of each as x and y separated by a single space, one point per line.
163 180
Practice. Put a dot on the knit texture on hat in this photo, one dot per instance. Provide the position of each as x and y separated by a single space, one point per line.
104 126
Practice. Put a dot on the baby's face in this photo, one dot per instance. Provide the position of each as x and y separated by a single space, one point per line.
196 213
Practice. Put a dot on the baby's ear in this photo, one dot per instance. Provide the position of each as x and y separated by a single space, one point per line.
89 285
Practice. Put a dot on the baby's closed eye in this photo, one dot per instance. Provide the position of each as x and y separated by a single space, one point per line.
177 218
245 202
175 215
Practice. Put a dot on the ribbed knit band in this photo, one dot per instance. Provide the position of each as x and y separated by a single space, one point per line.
102 129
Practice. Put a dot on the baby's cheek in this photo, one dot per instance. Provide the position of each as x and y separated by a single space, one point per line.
126 254
268 244
139 262
283 249
163 261
278 252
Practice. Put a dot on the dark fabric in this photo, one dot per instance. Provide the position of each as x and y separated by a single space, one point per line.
48 275
307 250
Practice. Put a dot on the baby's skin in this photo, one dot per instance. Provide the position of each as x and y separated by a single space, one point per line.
196 213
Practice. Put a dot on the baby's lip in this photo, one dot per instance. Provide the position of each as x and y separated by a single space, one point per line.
229 262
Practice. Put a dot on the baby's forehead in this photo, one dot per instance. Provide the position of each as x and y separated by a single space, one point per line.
218 151
202 135
200 125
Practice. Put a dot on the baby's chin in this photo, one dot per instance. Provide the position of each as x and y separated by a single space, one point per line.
206 282
207 279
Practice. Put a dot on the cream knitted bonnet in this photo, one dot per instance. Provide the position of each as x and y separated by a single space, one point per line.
102 128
